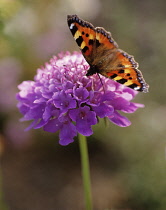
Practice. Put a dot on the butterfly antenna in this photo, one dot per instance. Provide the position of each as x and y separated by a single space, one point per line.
101 82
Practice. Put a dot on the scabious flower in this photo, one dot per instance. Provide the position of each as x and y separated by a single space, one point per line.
63 98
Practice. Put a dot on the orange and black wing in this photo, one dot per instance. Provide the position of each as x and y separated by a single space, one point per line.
125 71
84 34
104 39
116 64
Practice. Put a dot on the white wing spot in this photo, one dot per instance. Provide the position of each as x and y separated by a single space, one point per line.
136 88
71 26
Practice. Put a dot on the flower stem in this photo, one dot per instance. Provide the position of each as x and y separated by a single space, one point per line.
85 171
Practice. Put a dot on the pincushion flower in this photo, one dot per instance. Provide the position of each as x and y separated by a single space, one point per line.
62 98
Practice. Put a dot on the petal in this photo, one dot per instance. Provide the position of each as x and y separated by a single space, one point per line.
67 133
108 96
64 117
52 126
68 85
130 91
132 107
84 128
81 93
119 120
24 108
103 110
47 113
39 100
73 114
91 118
64 101
35 112
84 118
40 124
120 103
95 98
32 125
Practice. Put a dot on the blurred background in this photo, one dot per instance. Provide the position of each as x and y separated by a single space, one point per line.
128 165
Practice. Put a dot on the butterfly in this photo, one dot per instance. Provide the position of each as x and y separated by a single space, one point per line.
104 56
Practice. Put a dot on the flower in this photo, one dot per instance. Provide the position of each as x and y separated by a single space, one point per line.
63 98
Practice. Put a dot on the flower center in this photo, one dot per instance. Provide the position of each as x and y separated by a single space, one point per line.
82 115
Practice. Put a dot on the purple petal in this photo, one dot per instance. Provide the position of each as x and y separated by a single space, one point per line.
108 96
50 111
103 110
83 113
68 85
35 112
47 113
119 103
132 108
40 124
64 117
39 100
24 108
32 125
81 94
84 118
73 114
130 91
53 126
91 118
64 101
95 98
119 120
84 128
67 133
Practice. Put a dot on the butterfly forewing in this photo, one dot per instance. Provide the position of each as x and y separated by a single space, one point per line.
84 34
104 38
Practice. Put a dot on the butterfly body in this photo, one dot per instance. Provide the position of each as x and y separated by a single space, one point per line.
103 55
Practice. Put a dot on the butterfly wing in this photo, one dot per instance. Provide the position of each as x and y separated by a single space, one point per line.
114 63
125 71
84 34
92 41
104 39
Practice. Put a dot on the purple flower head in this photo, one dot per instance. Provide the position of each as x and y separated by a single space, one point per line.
63 98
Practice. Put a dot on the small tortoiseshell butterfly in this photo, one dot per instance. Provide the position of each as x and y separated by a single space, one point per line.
104 56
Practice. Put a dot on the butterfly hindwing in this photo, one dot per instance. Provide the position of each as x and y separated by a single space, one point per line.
128 77
125 71
103 55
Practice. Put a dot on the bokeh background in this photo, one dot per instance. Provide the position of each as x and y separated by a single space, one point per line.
128 165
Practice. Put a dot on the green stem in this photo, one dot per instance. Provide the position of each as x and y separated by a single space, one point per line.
85 171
